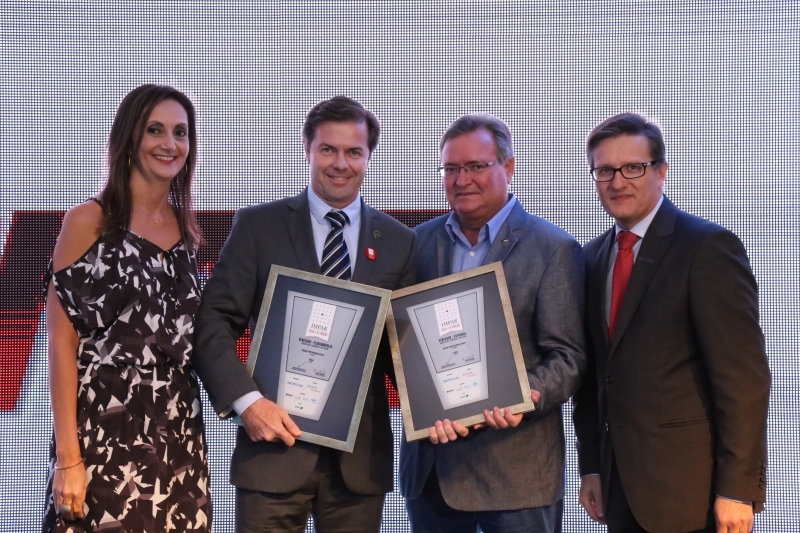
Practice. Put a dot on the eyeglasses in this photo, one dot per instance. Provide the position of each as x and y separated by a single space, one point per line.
452 171
631 171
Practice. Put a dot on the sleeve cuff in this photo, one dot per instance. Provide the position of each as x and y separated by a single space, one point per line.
731 499
241 405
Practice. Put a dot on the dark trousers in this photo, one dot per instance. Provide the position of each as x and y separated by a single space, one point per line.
430 514
324 496
619 516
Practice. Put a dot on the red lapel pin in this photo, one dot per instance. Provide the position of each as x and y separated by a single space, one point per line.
371 254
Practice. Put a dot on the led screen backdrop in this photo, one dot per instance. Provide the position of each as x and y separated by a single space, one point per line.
722 78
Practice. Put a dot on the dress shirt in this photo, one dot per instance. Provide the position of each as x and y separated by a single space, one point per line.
466 256
320 227
639 230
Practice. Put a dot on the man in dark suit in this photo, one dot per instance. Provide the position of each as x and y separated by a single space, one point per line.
325 229
672 414
509 475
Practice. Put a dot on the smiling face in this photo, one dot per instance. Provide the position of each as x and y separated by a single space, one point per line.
476 198
338 157
628 201
165 143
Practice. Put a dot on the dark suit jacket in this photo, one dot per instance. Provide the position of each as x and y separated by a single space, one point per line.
680 394
279 233
520 467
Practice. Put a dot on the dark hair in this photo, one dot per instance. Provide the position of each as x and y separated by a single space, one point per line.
628 124
123 142
482 121
341 109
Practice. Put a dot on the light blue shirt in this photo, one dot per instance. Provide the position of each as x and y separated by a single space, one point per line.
320 227
466 256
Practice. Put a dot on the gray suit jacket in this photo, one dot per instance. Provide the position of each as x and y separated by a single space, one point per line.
279 233
520 467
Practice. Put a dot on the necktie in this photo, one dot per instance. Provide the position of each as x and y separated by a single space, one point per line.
623 266
335 259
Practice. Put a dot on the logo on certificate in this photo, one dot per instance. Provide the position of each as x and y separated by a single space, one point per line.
320 321
448 317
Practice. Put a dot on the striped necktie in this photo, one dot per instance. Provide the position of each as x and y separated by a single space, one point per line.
335 259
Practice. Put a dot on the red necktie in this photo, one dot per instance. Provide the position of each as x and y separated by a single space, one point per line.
623 267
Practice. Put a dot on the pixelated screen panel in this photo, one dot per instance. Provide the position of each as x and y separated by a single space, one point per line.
720 78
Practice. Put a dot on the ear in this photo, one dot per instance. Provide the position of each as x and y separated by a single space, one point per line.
509 167
662 171
305 149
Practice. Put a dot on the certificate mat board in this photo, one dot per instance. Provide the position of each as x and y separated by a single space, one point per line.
298 347
418 383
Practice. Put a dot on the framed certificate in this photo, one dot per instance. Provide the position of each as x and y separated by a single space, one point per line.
456 351
313 350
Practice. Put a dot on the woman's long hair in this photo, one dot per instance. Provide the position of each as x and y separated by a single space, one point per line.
123 144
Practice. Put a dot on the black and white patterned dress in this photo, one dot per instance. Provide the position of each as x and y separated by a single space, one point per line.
140 425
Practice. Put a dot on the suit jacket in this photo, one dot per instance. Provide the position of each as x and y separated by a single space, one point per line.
680 393
520 467
279 233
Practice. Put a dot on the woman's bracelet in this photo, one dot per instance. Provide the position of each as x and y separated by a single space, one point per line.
68 467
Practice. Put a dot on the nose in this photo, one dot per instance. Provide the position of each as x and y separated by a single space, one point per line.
341 161
462 178
168 143
618 181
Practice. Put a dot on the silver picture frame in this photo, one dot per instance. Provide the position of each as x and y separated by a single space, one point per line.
421 398
337 424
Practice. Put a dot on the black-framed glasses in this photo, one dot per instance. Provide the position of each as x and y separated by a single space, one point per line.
452 171
631 171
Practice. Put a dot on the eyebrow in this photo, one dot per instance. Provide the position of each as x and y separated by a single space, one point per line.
158 123
472 162
326 145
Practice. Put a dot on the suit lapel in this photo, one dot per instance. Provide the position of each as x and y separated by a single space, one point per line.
298 226
655 243
444 253
597 276
506 239
366 239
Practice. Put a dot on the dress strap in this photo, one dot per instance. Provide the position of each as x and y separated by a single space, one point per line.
93 199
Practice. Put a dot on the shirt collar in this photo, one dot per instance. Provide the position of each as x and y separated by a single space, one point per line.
319 208
454 227
641 227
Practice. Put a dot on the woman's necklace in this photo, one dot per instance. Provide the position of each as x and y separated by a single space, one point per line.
151 217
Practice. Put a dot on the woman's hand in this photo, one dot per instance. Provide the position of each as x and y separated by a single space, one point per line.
69 491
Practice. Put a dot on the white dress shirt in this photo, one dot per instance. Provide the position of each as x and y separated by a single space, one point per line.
640 229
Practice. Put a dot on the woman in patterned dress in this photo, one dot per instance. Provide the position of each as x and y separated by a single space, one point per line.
129 452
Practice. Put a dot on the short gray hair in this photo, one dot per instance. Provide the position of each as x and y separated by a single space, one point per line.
482 121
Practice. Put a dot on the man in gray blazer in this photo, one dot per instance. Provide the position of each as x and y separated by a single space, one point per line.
507 475
325 229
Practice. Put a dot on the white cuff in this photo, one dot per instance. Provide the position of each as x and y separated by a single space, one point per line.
241 405
732 500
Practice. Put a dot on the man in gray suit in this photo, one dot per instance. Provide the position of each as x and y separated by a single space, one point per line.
326 229
509 474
